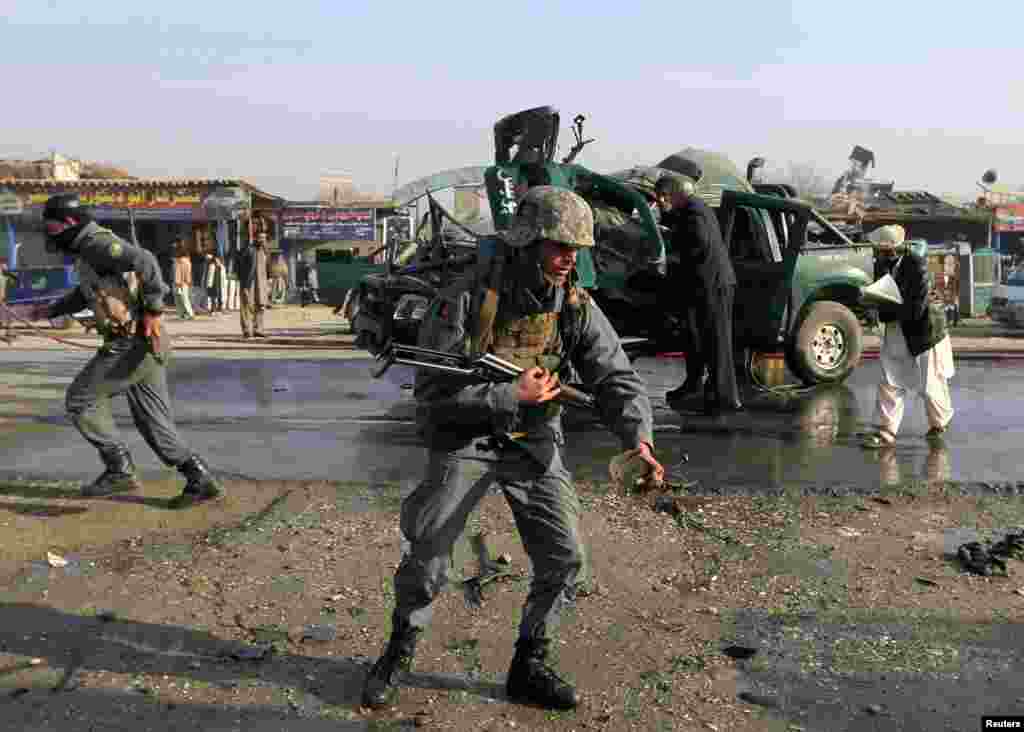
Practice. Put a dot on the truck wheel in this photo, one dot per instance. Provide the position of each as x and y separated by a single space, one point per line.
828 344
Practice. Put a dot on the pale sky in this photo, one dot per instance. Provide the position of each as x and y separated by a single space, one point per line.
277 93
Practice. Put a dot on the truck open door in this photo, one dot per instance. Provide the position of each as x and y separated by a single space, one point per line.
764 263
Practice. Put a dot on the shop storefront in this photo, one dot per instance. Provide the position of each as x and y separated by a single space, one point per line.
166 217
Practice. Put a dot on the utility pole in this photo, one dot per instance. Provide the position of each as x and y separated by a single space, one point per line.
395 186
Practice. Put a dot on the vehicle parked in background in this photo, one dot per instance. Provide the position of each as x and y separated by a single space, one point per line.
1008 300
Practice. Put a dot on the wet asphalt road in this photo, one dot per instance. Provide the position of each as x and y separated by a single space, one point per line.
277 416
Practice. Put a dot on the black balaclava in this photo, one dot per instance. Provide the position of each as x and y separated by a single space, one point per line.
64 241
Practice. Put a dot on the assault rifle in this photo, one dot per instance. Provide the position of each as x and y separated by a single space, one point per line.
487 367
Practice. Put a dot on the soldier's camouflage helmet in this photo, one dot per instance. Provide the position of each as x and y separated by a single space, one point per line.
549 212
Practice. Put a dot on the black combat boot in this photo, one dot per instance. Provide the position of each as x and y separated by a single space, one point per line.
379 689
201 484
119 477
531 680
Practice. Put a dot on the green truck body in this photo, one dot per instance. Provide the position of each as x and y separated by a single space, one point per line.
799 277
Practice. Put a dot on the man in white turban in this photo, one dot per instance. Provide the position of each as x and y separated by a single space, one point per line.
916 352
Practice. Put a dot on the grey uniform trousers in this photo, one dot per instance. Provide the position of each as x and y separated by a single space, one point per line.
546 511
126 366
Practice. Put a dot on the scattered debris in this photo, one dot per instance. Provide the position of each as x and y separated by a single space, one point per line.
760 700
257 652
849 532
739 652
926 581
319 633
978 559
1011 546
56 560
667 504
874 709
881 499
490 570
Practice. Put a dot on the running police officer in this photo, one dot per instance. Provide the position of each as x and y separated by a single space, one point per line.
132 358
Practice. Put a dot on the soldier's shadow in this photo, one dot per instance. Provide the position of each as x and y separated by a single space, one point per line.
75 642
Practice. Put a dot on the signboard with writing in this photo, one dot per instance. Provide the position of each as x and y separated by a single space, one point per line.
1009 218
157 198
329 224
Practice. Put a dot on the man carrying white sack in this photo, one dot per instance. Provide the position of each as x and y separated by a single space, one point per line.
916 352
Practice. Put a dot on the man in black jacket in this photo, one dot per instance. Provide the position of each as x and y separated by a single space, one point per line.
707 273
916 351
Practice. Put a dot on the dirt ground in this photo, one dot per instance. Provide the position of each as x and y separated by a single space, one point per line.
265 611
152 621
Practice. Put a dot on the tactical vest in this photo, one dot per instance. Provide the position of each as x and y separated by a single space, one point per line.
528 341
110 298
540 340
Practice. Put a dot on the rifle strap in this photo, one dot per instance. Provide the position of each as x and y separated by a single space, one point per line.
486 297
483 321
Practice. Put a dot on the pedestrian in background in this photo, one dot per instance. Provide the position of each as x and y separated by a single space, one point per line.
216 281
313 280
183 281
706 272
253 286
231 290
916 354
132 359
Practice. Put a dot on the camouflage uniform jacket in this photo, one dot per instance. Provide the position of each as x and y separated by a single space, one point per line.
103 261
452 409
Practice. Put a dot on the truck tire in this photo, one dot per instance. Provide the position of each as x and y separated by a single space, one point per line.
827 345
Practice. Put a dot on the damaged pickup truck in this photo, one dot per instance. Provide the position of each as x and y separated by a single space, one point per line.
799 277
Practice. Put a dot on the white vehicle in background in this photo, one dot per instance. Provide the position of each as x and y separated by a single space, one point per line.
1008 300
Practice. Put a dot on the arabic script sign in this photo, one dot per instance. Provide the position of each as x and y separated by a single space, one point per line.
329 224
157 198
1009 218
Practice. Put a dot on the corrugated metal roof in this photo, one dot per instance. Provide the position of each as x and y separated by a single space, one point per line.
132 183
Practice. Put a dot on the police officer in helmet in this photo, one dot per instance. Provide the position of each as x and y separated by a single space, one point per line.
132 358
548 326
